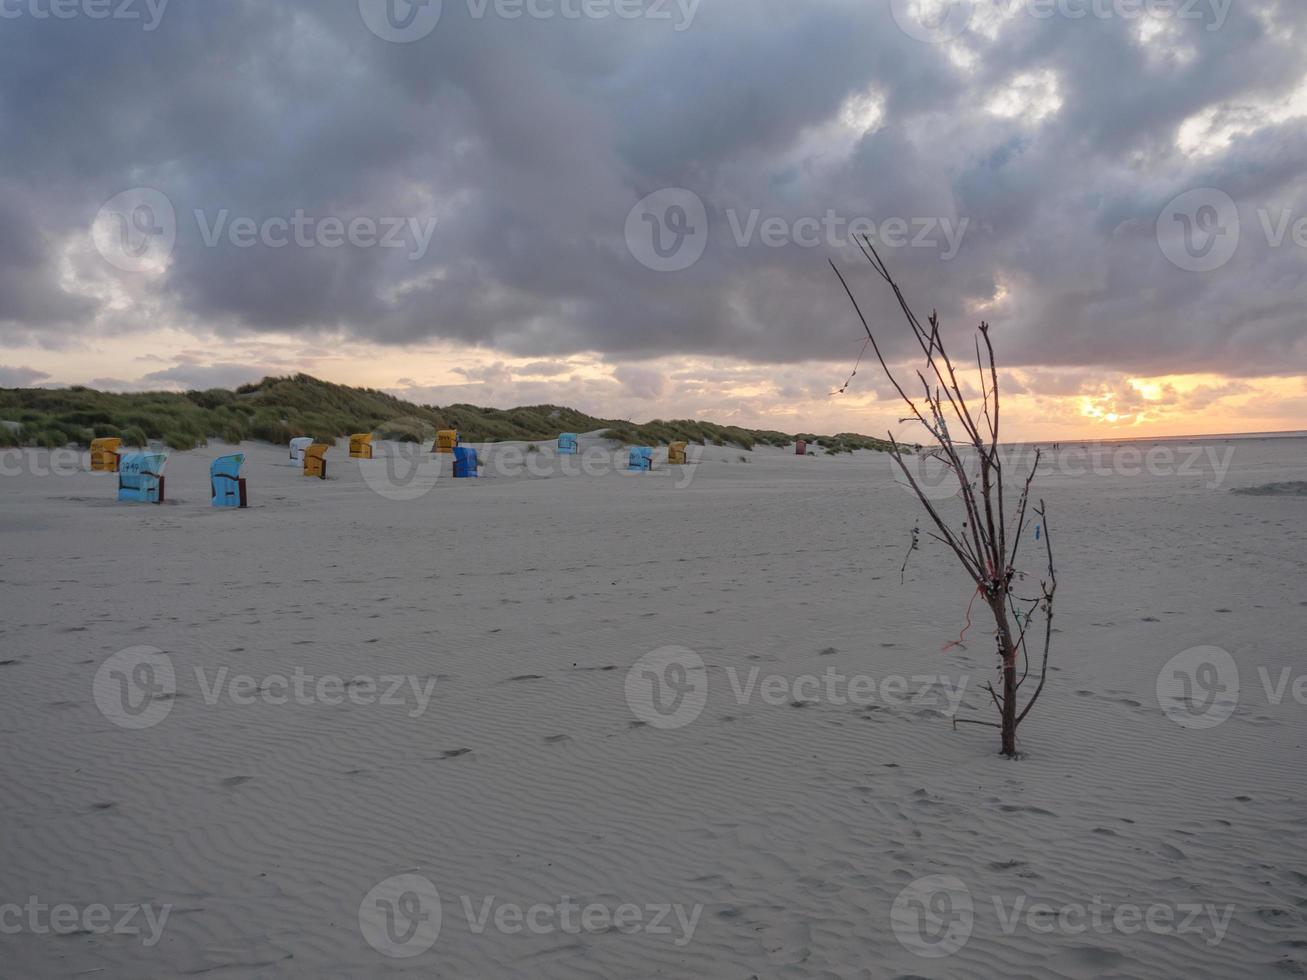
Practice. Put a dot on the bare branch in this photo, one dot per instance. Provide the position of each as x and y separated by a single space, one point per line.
980 541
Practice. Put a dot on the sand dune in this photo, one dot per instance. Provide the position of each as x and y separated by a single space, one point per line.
518 605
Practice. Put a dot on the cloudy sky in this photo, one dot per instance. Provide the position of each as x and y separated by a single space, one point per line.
627 206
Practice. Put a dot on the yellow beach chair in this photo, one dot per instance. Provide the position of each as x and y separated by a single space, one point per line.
104 455
315 460
360 446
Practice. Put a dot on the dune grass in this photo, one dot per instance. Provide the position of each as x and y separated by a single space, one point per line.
277 410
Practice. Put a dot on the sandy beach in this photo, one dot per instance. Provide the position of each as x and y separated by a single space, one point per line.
372 696
593 633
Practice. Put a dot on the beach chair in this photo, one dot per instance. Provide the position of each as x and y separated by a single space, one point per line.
446 441
801 448
641 459
568 443
297 447
315 460
466 466
226 482
140 478
360 446
676 453
104 455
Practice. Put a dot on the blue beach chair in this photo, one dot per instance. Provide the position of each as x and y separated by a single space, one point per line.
465 463
140 478
226 482
641 459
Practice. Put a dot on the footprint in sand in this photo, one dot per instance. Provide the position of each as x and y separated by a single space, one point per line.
1171 852
1281 916
1093 958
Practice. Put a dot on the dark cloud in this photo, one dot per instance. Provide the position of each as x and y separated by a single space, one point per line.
20 377
641 382
34 309
527 142
205 376
545 369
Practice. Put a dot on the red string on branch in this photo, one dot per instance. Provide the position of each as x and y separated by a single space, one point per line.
963 634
